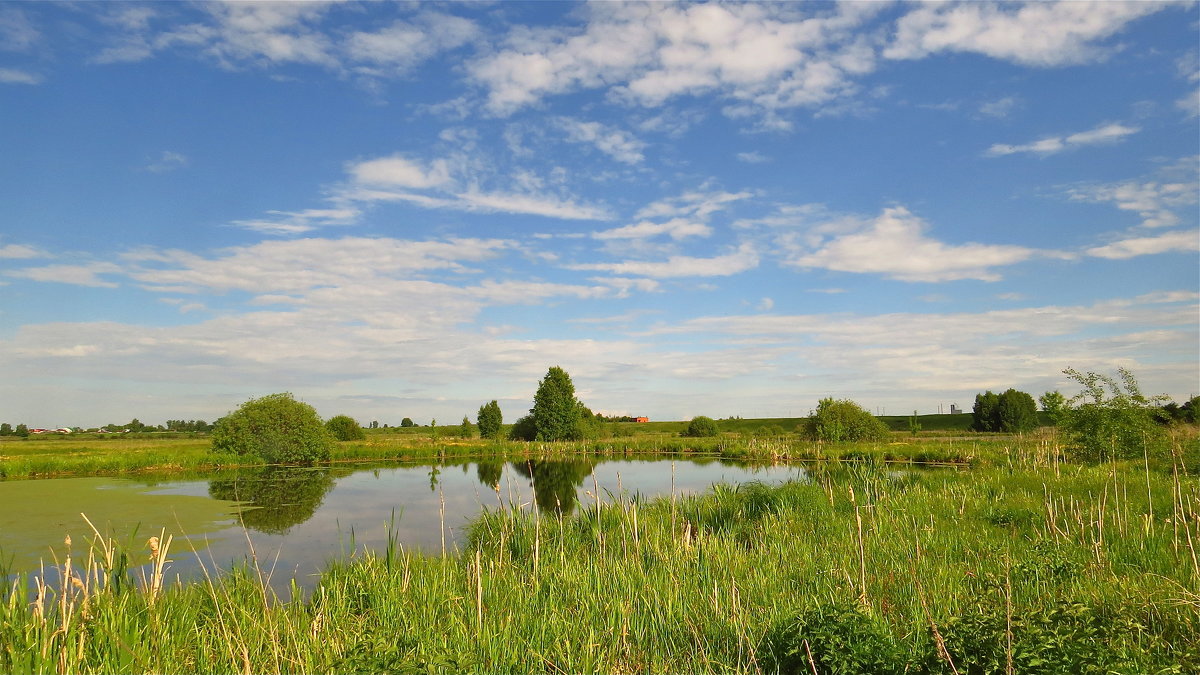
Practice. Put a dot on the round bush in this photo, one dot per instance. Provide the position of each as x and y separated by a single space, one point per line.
277 428
344 428
701 427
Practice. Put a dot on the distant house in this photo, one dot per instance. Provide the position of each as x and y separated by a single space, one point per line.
641 419
63 430
39 431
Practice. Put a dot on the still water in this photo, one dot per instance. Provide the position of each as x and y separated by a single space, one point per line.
294 520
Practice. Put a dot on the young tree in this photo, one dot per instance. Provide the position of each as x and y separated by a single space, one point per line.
1111 419
701 427
345 428
557 414
844 420
466 429
277 428
1053 404
490 420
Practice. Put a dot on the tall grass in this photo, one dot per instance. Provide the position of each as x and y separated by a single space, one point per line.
1054 569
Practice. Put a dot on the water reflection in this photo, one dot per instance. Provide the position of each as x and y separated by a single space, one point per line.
279 497
490 473
554 482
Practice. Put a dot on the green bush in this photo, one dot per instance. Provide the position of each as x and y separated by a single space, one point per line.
344 428
277 428
701 427
844 420
1110 419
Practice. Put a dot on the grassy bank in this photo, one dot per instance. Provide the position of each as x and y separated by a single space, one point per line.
66 456
1066 569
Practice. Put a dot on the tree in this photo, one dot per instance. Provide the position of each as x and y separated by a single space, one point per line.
281 497
1016 412
914 427
22 431
1111 419
844 420
6 429
466 429
557 414
701 427
490 419
407 422
345 428
1053 404
277 428
984 414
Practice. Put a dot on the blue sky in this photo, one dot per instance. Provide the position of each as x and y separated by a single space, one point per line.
400 210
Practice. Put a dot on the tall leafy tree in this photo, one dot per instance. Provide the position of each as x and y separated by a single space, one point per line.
21 430
984 414
490 419
1053 404
1016 412
557 414
6 429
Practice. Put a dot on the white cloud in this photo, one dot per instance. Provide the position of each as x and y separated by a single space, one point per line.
1181 240
299 222
754 157
77 275
618 144
740 260
896 246
17 32
405 44
538 205
20 251
16 76
167 161
676 228
762 55
401 172
1155 200
696 204
1190 104
999 108
1105 133
1034 34
765 305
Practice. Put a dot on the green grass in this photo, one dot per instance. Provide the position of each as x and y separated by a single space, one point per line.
761 441
1024 569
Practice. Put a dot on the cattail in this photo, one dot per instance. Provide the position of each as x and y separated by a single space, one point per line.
153 544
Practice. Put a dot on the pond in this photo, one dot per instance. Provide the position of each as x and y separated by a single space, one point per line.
292 521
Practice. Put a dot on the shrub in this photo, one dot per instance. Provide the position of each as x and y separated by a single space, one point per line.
277 428
701 427
344 428
1110 419
844 420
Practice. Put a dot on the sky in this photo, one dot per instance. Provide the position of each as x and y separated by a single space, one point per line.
408 210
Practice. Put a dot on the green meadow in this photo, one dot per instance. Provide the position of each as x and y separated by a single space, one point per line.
1006 557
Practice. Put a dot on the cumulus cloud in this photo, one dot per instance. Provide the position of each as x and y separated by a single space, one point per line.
1182 240
762 55
895 244
1042 34
405 44
1105 133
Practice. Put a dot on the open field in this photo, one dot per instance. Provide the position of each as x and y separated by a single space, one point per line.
1007 569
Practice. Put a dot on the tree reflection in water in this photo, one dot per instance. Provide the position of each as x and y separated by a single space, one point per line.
490 473
279 497
554 483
